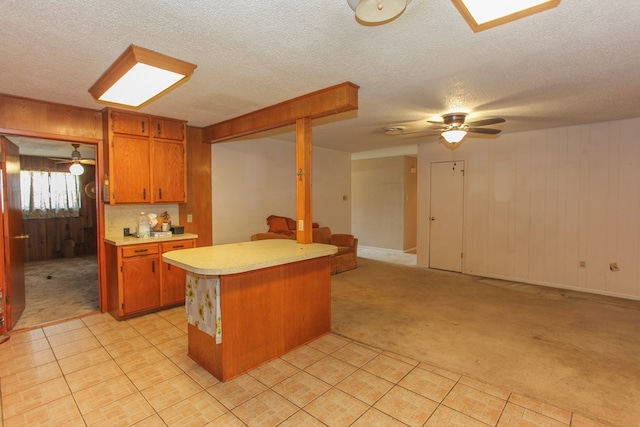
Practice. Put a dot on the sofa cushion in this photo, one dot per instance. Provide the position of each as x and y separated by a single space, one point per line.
322 235
342 240
280 224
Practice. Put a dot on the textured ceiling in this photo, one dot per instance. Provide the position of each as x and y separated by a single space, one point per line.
577 63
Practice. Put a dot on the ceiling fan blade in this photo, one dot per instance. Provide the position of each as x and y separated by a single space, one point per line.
435 122
88 162
484 130
59 160
486 122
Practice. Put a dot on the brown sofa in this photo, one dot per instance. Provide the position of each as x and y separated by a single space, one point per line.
345 259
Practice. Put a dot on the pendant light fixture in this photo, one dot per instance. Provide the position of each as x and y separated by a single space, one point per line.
76 168
139 76
377 12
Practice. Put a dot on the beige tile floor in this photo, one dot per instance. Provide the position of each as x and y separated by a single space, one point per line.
96 371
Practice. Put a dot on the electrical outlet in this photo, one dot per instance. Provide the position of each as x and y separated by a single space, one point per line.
614 266
300 225
189 218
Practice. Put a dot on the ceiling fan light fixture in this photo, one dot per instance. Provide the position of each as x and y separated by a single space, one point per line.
377 11
76 168
139 76
454 136
485 14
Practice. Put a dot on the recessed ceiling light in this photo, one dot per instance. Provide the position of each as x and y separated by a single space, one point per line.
138 76
484 14
394 130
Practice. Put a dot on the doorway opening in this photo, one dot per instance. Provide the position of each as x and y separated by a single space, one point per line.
60 253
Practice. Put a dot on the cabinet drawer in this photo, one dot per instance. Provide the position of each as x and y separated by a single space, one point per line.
173 246
139 250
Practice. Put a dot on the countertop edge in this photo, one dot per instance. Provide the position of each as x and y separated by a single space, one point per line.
129 240
226 267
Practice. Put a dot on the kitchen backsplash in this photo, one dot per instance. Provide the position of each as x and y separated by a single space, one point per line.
118 217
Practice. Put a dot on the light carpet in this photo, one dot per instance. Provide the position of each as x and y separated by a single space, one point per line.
573 350
59 289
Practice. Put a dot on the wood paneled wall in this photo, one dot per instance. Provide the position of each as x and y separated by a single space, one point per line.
552 207
28 117
61 237
198 189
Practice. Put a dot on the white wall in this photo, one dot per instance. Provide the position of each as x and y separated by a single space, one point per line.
538 203
383 203
256 178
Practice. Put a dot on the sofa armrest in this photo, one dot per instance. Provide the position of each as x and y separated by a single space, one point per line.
343 240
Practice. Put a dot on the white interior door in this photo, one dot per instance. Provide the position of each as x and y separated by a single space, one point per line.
446 219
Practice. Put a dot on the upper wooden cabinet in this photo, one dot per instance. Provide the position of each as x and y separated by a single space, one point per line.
129 124
167 129
146 158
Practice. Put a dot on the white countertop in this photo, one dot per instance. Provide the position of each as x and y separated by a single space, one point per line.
131 240
245 256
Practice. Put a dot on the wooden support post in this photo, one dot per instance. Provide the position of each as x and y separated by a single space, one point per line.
303 180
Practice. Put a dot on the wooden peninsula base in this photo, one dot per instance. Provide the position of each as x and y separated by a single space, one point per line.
267 310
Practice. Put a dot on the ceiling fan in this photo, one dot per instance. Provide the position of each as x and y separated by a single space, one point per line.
76 157
453 128
76 161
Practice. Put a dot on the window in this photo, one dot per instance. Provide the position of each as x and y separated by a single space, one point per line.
49 194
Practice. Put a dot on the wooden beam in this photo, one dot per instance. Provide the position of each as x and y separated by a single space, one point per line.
325 102
303 182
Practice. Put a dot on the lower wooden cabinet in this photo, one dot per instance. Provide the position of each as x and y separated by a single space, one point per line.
139 282
173 278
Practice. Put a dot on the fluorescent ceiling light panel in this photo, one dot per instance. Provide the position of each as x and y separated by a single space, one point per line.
484 14
139 76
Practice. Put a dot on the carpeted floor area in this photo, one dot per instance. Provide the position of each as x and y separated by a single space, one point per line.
59 289
573 350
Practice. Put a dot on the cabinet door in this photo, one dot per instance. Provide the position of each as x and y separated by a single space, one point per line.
140 283
168 171
173 279
129 169
167 129
129 124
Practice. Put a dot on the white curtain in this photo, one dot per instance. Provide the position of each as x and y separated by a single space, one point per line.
49 194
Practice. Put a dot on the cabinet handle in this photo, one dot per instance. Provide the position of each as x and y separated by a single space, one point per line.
153 266
158 128
142 126
144 194
177 246
160 193
138 251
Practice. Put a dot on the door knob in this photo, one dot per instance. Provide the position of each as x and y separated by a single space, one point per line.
433 218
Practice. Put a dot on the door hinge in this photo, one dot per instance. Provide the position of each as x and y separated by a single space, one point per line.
8 300
461 254
122 306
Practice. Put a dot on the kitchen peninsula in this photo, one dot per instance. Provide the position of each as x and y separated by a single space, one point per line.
268 297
